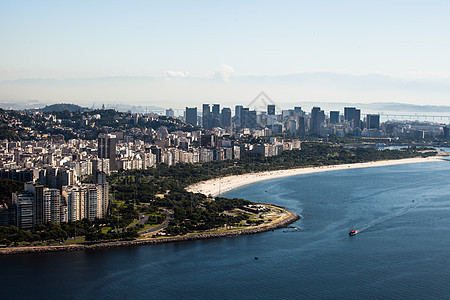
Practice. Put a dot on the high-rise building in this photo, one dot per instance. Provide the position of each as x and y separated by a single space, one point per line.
24 202
271 109
298 112
216 110
238 115
39 203
334 117
157 151
292 127
248 118
206 116
170 113
373 121
209 141
245 116
252 119
357 119
226 117
191 116
215 117
317 118
75 207
52 205
349 113
301 126
93 203
87 201
107 149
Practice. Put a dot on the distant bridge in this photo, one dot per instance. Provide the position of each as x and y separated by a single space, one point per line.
421 117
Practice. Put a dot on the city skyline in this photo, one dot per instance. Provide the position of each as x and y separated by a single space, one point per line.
146 52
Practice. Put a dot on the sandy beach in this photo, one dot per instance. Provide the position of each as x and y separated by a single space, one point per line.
219 186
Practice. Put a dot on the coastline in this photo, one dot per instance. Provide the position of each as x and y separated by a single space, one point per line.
215 187
283 221
218 186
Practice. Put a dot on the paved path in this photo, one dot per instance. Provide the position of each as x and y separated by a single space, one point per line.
152 230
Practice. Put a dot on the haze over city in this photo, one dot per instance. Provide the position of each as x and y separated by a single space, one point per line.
179 53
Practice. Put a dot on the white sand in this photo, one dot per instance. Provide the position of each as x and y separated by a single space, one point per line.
219 186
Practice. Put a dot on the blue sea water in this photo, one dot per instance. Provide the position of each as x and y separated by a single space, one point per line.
403 251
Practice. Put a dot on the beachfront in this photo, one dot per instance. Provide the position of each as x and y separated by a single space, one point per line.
215 187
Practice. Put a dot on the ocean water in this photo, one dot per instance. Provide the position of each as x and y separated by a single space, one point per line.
402 252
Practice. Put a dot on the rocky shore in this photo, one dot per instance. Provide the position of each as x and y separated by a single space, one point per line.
290 218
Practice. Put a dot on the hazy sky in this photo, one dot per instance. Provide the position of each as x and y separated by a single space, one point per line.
202 39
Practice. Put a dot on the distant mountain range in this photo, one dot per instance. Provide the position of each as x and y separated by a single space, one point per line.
151 93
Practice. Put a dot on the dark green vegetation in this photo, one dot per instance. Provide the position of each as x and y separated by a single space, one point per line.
7 187
63 107
205 215
111 228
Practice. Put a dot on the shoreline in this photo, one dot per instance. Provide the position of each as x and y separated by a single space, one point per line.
281 222
215 187
218 186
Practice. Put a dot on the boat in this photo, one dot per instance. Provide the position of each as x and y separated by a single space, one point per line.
352 233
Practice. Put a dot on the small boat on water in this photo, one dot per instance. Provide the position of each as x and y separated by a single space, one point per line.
353 232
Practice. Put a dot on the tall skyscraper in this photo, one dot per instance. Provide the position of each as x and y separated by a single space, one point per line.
215 118
107 149
252 119
245 112
357 119
298 112
292 127
206 116
75 203
39 203
238 115
349 113
24 202
373 121
191 116
215 110
334 117
52 205
317 118
93 202
301 126
271 109
226 117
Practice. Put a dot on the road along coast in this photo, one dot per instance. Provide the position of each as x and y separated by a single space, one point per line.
217 186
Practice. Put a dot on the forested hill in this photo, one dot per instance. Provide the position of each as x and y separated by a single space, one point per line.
63 107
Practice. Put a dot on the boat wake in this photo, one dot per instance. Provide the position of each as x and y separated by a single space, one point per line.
382 219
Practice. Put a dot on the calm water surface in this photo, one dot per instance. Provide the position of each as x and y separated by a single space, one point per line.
402 252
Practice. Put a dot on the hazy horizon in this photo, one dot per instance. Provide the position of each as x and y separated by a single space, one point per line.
184 54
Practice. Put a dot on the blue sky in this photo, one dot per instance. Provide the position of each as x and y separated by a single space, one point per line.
197 39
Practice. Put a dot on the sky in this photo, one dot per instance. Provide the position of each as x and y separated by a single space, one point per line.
194 44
